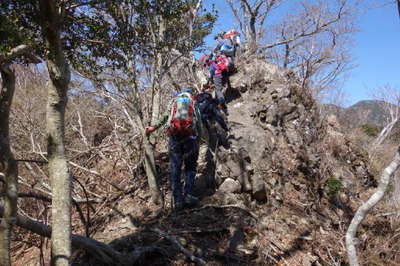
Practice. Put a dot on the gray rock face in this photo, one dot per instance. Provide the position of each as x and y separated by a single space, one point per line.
276 134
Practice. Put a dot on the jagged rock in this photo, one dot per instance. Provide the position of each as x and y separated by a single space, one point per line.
230 186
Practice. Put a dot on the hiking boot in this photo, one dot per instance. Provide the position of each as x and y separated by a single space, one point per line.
178 207
190 200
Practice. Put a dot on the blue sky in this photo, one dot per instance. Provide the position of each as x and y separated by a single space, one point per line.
376 49
376 53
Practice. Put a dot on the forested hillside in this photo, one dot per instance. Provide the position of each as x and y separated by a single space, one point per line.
367 112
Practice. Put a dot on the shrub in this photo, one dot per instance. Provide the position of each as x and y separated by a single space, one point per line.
370 130
333 186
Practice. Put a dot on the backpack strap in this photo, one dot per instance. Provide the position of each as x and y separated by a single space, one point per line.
186 94
172 113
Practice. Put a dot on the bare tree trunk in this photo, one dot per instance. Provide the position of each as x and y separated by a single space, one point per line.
389 99
150 165
56 103
366 207
253 34
8 166
385 132
287 55
149 162
156 104
193 14
158 73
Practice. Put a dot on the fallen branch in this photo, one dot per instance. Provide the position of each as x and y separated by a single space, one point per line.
367 206
198 230
101 251
31 161
185 251
97 249
49 195
85 222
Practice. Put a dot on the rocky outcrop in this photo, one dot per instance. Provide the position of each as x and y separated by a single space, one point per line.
274 124
276 135
285 156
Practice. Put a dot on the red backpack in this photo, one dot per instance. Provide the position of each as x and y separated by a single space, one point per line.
222 64
182 119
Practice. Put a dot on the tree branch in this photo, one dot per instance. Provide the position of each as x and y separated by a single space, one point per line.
248 7
236 14
319 28
16 52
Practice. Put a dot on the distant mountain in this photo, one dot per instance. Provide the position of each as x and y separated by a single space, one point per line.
363 112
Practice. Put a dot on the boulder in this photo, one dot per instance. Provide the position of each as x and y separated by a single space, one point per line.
230 186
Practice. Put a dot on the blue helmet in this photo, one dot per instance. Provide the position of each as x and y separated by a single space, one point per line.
225 47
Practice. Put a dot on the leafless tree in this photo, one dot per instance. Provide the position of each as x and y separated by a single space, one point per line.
389 98
315 41
251 16
313 38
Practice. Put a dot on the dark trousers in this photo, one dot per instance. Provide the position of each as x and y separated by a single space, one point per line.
220 83
183 150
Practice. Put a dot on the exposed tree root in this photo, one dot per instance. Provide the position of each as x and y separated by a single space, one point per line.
185 251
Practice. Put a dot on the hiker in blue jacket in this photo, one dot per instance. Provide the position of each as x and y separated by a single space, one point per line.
227 44
218 67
